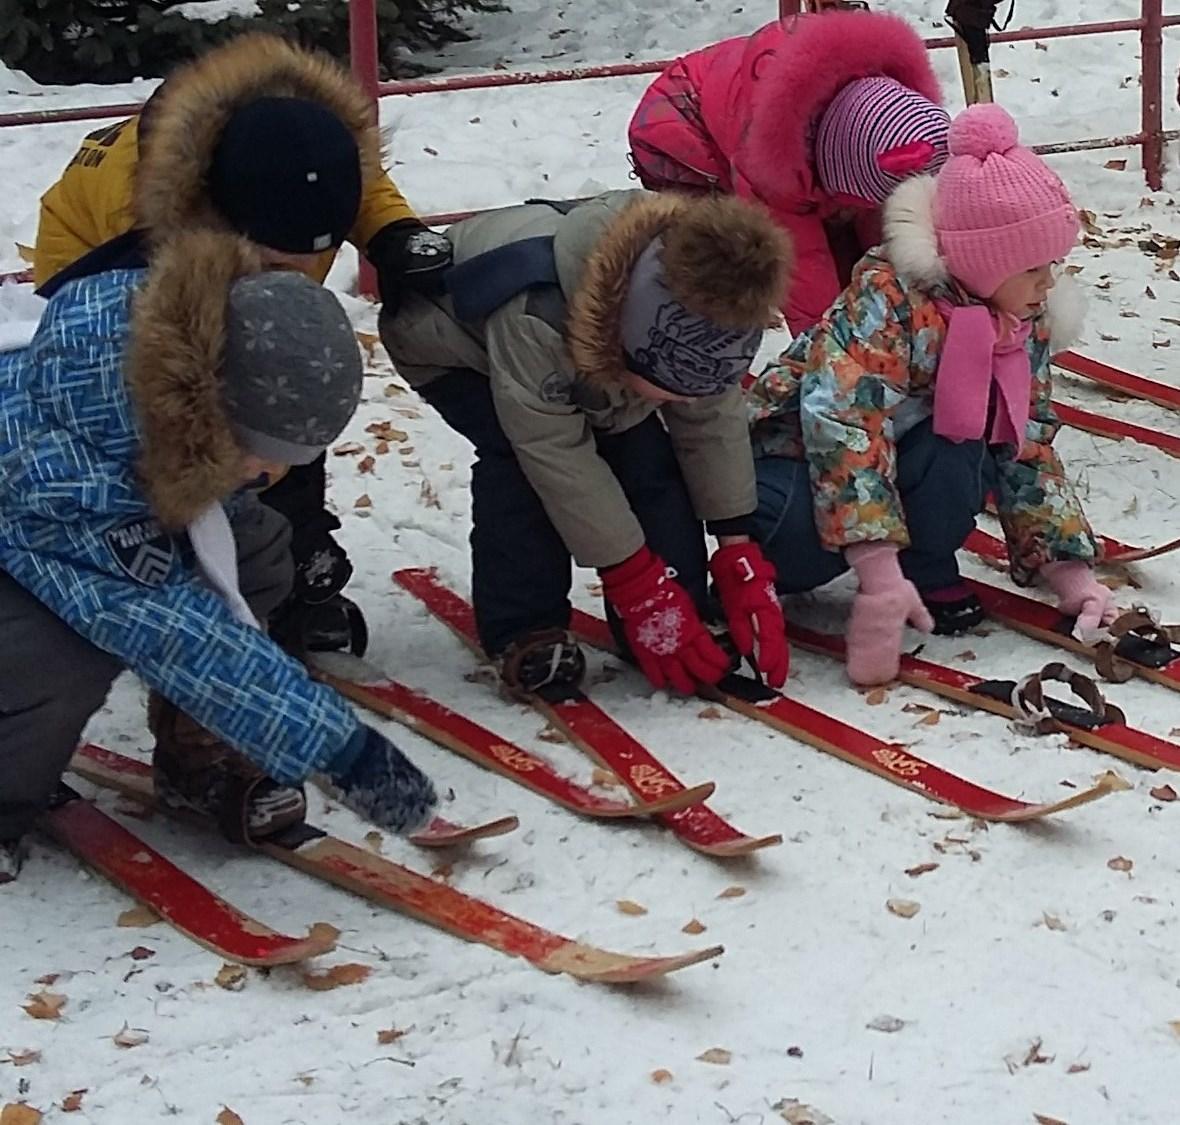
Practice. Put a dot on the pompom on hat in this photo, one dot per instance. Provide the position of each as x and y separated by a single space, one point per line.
999 209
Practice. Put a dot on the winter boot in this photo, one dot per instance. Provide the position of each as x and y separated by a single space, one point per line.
194 770
546 662
335 625
12 856
955 609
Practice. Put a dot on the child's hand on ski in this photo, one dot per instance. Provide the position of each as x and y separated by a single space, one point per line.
663 629
1081 595
745 584
378 782
886 603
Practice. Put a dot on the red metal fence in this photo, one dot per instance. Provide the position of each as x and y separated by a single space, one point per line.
1151 136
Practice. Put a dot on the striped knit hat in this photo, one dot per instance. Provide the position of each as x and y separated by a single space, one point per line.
874 133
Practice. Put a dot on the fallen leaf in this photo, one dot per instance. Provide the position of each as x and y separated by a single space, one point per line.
626 906
366 464
387 432
966 654
14 1114
930 720
389 1035
228 1117
45 1005
443 871
382 447
732 892
876 697
138 916
693 927
72 1102
920 869
406 450
794 1112
710 712
1164 793
552 735
718 1056
1078 1068
429 151
130 1036
1034 1056
1052 922
659 1077
141 953
374 841
392 390
1120 863
1149 293
362 501
1116 165
1043 1119
903 907
605 778
231 977
428 496
1175 1026
888 1024
24 1058
795 1052
336 976
1113 781
348 449
48 978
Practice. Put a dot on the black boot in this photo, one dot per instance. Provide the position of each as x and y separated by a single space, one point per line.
547 662
955 609
335 625
12 856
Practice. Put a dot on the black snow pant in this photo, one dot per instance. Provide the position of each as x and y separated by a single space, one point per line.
52 679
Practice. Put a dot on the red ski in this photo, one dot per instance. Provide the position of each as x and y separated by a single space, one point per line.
892 761
365 685
1148 653
601 738
365 873
993 549
186 905
1098 725
1123 381
1115 428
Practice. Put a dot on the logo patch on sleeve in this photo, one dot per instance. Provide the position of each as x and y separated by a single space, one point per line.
143 550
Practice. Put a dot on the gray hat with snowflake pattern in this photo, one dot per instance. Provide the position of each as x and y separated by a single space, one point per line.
291 372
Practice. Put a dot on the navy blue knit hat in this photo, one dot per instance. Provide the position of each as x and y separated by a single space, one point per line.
286 173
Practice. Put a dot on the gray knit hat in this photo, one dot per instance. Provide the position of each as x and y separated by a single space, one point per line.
291 376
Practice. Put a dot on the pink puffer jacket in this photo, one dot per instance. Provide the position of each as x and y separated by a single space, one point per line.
738 117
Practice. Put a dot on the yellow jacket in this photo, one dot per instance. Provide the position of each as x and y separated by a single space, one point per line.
114 182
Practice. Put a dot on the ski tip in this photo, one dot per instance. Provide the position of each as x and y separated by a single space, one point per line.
601 966
443 834
743 845
677 800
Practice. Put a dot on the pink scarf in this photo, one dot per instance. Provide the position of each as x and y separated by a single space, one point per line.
982 349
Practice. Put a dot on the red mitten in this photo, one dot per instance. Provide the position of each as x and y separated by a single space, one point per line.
886 603
661 624
745 584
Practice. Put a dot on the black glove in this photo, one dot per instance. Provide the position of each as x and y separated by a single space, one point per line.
408 257
377 781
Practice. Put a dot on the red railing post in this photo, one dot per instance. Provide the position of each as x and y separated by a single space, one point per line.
1152 81
789 8
362 43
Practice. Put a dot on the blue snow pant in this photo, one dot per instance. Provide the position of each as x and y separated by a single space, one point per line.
520 565
943 487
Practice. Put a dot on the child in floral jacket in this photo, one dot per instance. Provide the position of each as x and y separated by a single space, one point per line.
880 432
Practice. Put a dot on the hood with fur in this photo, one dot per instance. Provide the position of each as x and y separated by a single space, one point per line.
723 259
189 457
911 245
815 56
191 110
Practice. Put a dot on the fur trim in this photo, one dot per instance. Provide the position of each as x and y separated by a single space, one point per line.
1065 314
723 258
192 109
910 241
817 55
189 457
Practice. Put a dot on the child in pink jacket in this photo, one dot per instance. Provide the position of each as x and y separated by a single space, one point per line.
817 116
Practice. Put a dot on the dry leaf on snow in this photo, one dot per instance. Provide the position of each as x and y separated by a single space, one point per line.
228 1117
231 977
605 778
390 1035
1043 1119
732 892
130 1036
718 1056
626 906
72 1102
45 1005
710 712
903 907
349 448
362 501
138 916
876 697
1163 793
366 464
794 1112
1052 922
693 927
336 976
1120 863
659 1077
141 953
48 978
374 841
888 1024
1175 1026
1078 1068
930 720
552 735
24 1058
920 869
13 1114
1115 165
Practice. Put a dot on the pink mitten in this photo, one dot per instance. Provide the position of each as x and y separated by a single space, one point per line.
886 603
1080 594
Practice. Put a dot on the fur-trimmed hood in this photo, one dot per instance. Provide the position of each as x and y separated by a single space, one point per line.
723 259
911 245
191 109
800 64
188 455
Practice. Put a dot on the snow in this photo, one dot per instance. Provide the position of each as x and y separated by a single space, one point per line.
213 11
1025 936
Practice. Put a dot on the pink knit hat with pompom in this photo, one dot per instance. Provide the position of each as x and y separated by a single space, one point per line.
999 209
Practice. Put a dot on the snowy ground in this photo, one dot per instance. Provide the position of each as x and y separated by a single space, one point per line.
1036 980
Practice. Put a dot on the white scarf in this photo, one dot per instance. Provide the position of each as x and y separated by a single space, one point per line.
217 559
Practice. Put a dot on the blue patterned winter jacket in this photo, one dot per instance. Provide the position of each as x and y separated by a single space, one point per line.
79 530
